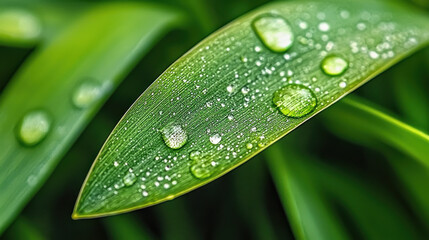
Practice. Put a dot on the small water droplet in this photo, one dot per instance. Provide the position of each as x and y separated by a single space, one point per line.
129 179
145 194
201 166
33 127
295 100
86 94
215 139
324 26
249 146
230 89
274 31
174 136
373 55
342 84
19 26
334 65
245 90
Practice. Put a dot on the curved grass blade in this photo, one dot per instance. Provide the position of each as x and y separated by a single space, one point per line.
126 227
61 86
374 124
301 199
215 104
310 189
350 118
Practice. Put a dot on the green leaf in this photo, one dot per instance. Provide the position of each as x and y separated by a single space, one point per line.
217 100
355 120
373 123
318 197
73 75
307 211
126 227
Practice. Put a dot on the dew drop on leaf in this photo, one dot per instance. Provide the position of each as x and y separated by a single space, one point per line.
201 166
19 24
333 65
33 127
86 94
215 139
174 136
129 179
324 27
295 100
194 155
274 32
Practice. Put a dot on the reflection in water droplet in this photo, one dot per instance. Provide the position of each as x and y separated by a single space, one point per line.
19 25
215 139
274 32
86 94
174 136
295 100
249 146
129 179
33 127
334 65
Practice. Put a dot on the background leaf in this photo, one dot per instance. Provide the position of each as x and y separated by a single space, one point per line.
323 202
349 120
373 123
75 57
218 98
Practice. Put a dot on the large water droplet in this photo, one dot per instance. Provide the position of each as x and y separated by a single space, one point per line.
86 94
274 31
33 127
129 179
334 65
201 166
19 25
295 100
174 136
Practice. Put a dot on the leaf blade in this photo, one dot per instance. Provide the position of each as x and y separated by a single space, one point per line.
73 60
377 124
205 108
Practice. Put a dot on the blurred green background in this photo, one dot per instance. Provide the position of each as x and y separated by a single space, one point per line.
246 204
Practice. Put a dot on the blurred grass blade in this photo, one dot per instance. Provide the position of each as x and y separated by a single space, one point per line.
351 114
217 100
126 227
307 211
414 180
318 198
410 93
61 86
249 188
354 120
